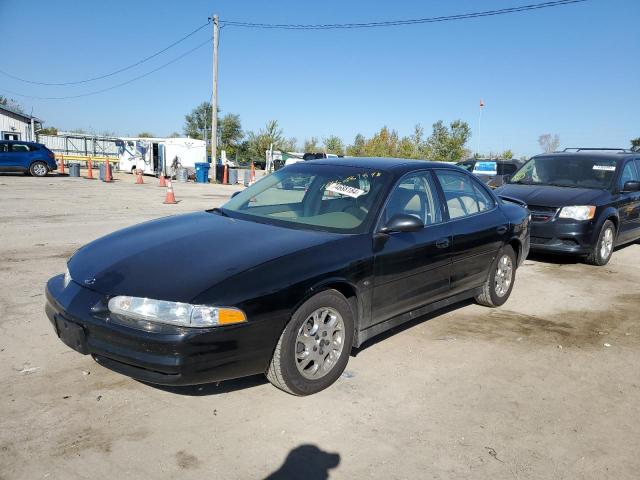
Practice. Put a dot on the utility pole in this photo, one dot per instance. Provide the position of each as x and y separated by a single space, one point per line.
214 103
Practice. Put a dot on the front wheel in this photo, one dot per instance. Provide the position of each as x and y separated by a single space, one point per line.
499 284
603 249
314 347
38 169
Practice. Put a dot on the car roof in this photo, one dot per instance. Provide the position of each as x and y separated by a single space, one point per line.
591 154
382 163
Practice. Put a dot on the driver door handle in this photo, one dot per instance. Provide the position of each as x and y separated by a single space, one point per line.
442 243
502 229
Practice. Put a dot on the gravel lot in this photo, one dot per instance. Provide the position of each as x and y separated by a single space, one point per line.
546 387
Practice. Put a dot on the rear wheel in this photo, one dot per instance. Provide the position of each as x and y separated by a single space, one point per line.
603 249
498 286
38 169
314 347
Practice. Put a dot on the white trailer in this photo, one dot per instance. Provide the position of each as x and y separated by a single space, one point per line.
155 155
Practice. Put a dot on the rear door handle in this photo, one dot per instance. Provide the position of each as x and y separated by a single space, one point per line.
442 243
502 229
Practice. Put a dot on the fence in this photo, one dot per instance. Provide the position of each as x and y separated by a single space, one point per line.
83 145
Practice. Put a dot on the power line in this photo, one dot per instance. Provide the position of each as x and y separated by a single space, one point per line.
120 84
393 23
93 79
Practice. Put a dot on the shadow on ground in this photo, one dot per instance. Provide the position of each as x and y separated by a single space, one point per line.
215 388
306 462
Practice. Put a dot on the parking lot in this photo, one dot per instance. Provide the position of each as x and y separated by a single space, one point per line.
546 387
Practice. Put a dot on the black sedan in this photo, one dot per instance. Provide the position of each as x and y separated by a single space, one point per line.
309 262
582 203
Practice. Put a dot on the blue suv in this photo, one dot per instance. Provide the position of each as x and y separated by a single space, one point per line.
28 157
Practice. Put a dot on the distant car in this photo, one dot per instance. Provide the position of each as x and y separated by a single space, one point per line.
582 203
27 157
307 274
493 172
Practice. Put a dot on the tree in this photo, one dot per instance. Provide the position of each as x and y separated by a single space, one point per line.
290 145
48 131
448 143
549 143
333 144
195 122
635 144
146 135
311 145
175 135
11 103
357 149
259 143
507 154
230 134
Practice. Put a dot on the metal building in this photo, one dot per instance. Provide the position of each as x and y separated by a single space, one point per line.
17 125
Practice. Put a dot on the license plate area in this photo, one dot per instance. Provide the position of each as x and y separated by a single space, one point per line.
71 334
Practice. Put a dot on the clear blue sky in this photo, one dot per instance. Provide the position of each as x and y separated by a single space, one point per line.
571 70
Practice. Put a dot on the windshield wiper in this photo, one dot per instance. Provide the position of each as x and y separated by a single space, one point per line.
219 211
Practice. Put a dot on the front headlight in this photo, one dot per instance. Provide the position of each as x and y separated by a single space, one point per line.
174 313
578 212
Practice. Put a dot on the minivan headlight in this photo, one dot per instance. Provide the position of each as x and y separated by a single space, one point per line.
174 313
578 212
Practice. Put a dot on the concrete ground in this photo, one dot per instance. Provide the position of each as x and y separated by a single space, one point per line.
546 387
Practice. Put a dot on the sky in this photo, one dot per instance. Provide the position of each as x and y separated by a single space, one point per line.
570 70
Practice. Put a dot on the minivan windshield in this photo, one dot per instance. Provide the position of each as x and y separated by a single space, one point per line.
566 171
331 198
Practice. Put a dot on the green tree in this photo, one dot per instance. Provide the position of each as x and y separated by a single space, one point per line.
195 122
259 143
333 144
447 144
357 148
507 154
175 135
311 145
230 134
290 145
48 131
146 135
549 143
635 144
11 103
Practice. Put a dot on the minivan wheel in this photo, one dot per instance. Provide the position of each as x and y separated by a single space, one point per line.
314 347
603 249
38 169
497 289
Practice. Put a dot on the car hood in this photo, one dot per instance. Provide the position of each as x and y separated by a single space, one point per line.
549 196
176 258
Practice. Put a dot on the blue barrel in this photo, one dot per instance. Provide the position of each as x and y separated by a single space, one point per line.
202 172
74 170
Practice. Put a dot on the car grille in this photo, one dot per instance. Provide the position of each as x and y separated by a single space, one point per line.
542 214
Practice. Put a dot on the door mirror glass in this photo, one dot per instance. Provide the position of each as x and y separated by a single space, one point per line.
403 222
631 186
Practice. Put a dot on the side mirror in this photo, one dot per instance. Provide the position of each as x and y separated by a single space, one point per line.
234 194
631 186
403 222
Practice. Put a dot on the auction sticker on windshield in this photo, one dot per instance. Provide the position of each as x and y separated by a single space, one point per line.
608 168
344 190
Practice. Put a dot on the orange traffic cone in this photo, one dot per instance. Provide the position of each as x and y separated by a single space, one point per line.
61 170
89 169
162 181
225 176
107 172
139 180
170 198
252 178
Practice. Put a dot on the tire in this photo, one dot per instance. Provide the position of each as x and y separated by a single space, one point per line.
38 169
603 249
304 367
497 289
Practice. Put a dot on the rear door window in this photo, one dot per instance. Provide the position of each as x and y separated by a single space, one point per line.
628 174
19 147
464 196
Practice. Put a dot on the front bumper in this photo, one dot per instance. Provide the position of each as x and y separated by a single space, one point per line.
173 356
563 236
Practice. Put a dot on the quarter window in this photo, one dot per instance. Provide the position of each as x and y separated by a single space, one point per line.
464 197
414 195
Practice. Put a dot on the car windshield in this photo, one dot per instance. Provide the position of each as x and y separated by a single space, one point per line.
565 171
318 197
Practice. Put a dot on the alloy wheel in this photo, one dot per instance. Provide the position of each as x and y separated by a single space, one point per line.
606 244
504 275
319 343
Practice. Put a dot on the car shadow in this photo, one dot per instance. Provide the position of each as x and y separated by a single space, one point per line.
410 324
563 259
214 388
306 462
